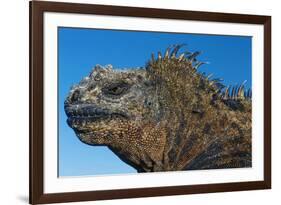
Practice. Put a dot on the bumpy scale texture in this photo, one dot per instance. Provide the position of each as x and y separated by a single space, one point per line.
165 117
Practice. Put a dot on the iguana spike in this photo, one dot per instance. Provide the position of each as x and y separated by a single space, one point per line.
193 56
197 65
240 92
209 76
167 52
231 93
177 47
226 92
217 80
181 57
242 84
250 93
159 56
246 94
173 56
234 92
186 53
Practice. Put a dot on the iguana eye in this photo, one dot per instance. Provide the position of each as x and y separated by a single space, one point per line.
116 89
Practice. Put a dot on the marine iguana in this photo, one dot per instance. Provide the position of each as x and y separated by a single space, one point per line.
167 116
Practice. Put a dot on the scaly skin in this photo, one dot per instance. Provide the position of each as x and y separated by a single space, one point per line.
164 117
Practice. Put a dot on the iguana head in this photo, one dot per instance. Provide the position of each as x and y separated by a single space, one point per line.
104 101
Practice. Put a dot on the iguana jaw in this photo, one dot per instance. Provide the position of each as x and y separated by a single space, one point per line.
87 120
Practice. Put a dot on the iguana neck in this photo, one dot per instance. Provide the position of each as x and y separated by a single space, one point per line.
143 148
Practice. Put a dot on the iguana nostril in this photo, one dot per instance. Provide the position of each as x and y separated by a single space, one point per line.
75 96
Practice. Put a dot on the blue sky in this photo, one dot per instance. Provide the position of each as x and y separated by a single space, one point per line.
81 49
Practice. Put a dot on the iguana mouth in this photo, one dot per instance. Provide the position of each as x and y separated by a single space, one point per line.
88 113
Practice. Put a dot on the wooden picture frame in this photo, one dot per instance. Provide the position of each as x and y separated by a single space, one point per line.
37 10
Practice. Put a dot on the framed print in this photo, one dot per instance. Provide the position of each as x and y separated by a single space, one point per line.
135 102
